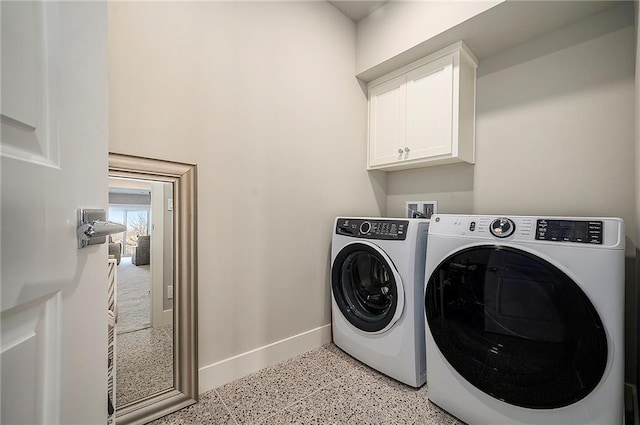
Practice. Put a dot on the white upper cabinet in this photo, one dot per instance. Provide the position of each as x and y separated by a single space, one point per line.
387 110
424 113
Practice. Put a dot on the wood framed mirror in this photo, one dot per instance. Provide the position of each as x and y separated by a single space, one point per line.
182 390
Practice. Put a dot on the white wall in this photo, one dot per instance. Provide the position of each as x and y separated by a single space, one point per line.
262 97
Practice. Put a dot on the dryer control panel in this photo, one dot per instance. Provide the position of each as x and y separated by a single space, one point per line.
596 232
373 228
583 231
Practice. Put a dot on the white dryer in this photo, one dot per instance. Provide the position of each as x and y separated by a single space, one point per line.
525 319
377 286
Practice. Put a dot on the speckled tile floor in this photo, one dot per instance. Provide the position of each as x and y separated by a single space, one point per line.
323 386
144 363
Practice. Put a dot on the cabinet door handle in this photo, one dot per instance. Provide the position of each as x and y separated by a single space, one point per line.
406 150
400 150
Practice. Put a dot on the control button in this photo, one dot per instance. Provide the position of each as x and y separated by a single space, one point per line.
344 230
365 227
502 227
472 226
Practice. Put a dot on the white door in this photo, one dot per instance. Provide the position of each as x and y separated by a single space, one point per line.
53 161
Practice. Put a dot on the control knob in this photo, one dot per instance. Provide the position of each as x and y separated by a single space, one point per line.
502 227
365 227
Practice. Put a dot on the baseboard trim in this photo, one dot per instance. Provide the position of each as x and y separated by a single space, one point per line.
167 317
224 371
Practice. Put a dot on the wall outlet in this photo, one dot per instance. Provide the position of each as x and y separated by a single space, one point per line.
170 291
421 209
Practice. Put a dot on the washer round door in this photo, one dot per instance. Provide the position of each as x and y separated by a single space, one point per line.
367 287
516 327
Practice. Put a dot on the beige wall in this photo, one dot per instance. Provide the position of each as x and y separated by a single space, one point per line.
554 133
554 136
262 96
400 25
555 130
533 99
451 186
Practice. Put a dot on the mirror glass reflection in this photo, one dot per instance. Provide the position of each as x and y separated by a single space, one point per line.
144 299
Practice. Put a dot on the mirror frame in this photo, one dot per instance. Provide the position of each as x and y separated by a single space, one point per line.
185 329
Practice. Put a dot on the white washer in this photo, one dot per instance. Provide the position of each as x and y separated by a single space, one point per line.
377 286
525 319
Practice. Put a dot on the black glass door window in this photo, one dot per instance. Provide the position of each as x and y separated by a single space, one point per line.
364 287
516 327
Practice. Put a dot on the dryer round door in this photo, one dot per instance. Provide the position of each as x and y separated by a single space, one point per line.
516 327
367 287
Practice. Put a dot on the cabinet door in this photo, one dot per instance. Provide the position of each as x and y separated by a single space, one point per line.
387 103
429 114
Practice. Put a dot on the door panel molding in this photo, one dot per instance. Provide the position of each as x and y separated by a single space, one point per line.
29 111
32 331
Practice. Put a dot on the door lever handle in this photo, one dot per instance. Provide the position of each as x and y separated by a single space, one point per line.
96 228
93 228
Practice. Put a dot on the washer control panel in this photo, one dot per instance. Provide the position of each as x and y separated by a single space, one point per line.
502 227
373 228
582 231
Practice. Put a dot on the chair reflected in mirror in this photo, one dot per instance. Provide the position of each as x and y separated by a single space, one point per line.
142 252
115 249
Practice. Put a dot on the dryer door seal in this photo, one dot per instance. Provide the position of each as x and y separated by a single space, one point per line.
367 287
